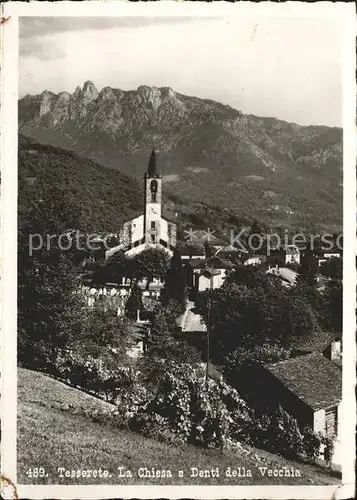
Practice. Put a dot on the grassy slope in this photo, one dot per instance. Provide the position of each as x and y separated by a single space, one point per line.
53 431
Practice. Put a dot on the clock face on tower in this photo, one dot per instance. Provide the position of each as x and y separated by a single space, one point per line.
153 211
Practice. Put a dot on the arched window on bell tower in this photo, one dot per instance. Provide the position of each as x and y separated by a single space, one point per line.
153 199
153 191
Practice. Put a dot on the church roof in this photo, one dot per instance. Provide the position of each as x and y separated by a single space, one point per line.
152 171
168 220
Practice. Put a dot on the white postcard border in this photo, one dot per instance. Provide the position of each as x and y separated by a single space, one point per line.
9 85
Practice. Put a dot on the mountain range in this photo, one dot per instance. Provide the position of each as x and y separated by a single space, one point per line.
282 173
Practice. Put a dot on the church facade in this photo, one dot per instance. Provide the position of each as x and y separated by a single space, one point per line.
150 229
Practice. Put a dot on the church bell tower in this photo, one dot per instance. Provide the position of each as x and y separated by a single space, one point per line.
152 189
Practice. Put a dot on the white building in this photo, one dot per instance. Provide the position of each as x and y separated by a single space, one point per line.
292 255
150 229
203 274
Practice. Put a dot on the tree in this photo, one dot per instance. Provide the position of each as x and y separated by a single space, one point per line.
276 258
102 331
164 351
48 309
113 269
249 276
334 307
309 267
251 309
296 319
332 268
48 301
175 281
150 263
134 302
256 228
208 250
243 357
257 237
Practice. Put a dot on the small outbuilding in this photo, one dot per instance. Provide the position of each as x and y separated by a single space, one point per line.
308 387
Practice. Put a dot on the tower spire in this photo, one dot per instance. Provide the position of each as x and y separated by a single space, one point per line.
152 172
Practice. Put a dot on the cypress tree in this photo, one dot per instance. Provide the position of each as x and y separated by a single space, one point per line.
309 268
208 250
175 282
134 302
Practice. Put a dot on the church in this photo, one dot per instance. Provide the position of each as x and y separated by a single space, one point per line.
150 229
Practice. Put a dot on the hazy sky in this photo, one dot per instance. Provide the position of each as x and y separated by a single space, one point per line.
287 68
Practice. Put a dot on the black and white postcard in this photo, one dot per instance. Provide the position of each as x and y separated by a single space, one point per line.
178 235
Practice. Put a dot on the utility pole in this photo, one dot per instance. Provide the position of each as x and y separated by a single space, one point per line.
210 270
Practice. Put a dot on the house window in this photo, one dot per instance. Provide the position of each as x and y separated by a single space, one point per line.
331 421
152 224
153 238
153 197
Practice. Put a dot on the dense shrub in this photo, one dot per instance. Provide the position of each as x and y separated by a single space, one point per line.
187 408
279 433
243 357
311 443
328 445
101 375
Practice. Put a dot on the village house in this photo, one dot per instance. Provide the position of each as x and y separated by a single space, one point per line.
292 255
191 252
332 255
314 387
329 255
203 274
254 260
308 387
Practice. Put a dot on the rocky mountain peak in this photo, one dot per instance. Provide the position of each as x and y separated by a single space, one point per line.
46 93
168 92
64 96
90 91
106 93
151 95
46 99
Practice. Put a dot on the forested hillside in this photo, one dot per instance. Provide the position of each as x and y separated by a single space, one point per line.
107 197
